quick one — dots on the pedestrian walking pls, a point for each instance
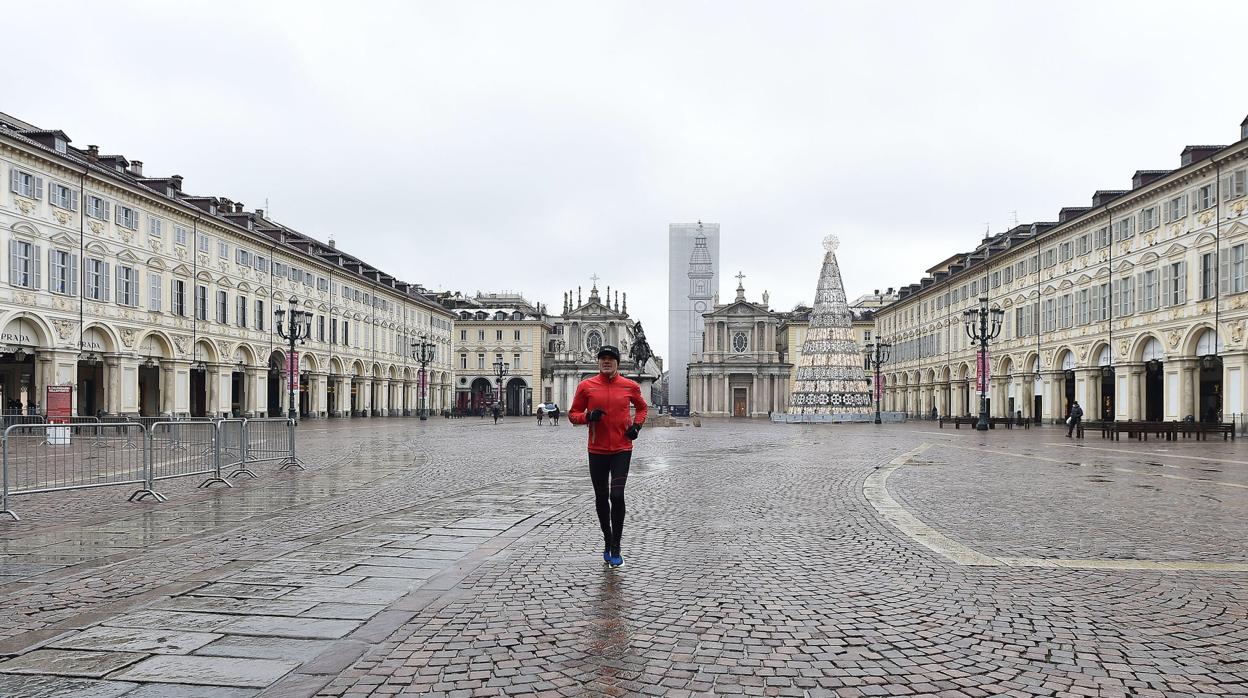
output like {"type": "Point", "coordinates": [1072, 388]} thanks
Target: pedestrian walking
{"type": "Point", "coordinates": [497, 409]}
{"type": "Point", "coordinates": [554, 415]}
{"type": "Point", "coordinates": [541, 414]}
{"type": "Point", "coordinates": [1076, 416]}
{"type": "Point", "coordinates": [603, 403]}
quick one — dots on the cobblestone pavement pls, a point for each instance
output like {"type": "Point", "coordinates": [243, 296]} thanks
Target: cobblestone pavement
{"type": "Point", "coordinates": [462, 558]}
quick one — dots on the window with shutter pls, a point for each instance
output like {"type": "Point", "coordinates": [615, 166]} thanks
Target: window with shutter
{"type": "Point", "coordinates": [154, 284]}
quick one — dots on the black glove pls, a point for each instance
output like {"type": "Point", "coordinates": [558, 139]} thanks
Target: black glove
{"type": "Point", "coordinates": [632, 432]}
{"type": "Point", "coordinates": [594, 415]}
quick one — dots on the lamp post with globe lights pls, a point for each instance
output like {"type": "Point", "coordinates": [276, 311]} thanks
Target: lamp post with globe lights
{"type": "Point", "coordinates": [422, 352]}
{"type": "Point", "coordinates": [983, 324]}
{"type": "Point", "coordinates": [295, 331]}
{"type": "Point", "coordinates": [877, 354]}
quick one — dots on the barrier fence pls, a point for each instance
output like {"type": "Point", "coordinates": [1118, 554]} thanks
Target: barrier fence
{"type": "Point", "coordinates": [271, 439]}
{"type": "Point", "coordinates": [40, 458]}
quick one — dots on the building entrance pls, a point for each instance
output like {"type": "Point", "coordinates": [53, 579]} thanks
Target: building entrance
{"type": "Point", "coordinates": [149, 389]}
{"type": "Point", "coordinates": [1210, 401]}
{"type": "Point", "coordinates": [1154, 391]}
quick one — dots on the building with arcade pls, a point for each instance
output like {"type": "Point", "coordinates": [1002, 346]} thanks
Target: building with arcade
{"type": "Point", "coordinates": [153, 301]}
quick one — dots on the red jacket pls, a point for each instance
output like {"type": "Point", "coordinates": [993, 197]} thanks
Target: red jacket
{"type": "Point", "coordinates": [614, 397]}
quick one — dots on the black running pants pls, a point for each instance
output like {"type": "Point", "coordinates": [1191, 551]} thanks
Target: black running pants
{"type": "Point", "coordinates": [609, 473]}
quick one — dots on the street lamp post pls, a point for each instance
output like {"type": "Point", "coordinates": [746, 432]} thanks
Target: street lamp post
{"type": "Point", "coordinates": [983, 324]}
{"type": "Point", "coordinates": [877, 354]}
{"type": "Point", "coordinates": [500, 369]}
{"type": "Point", "coordinates": [422, 352]}
{"type": "Point", "coordinates": [296, 332]}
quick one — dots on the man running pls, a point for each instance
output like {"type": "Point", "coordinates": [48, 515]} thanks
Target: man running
{"type": "Point", "coordinates": [603, 403]}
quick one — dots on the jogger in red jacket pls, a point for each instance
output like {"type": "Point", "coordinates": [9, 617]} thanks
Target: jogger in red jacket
{"type": "Point", "coordinates": [603, 402]}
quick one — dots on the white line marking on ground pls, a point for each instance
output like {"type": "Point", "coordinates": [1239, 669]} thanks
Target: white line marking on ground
{"type": "Point", "coordinates": [876, 491]}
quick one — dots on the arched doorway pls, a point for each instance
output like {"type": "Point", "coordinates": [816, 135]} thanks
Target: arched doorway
{"type": "Point", "coordinates": [92, 371]}
{"type": "Point", "coordinates": [153, 392]}
{"type": "Point", "coordinates": [518, 397]}
{"type": "Point", "coordinates": [1106, 363]}
{"type": "Point", "coordinates": [277, 361]}
{"type": "Point", "coordinates": [1154, 380]}
{"type": "Point", "coordinates": [201, 378]}
{"type": "Point", "coordinates": [18, 344]}
{"type": "Point", "coordinates": [481, 395]}
{"type": "Point", "coordinates": [331, 387]}
{"type": "Point", "coordinates": [241, 359]}
{"type": "Point", "coordinates": [1209, 391]}
{"type": "Point", "coordinates": [1068, 382]}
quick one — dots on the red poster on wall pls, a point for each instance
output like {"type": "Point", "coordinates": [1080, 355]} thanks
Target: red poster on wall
{"type": "Point", "coordinates": [879, 386]}
{"type": "Point", "coordinates": [292, 370]}
{"type": "Point", "coordinates": [59, 403]}
{"type": "Point", "coordinates": [981, 372]}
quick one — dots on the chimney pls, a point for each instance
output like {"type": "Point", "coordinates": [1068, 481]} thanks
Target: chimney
{"type": "Point", "coordinates": [177, 182]}
{"type": "Point", "coordinates": [93, 151]}
{"type": "Point", "coordinates": [876, 292]}
{"type": "Point", "coordinates": [260, 212]}
{"type": "Point", "coordinates": [136, 168]}
{"type": "Point", "coordinates": [238, 207]}
{"type": "Point", "coordinates": [332, 244]}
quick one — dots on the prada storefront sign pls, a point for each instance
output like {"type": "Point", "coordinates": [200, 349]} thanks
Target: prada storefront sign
{"type": "Point", "coordinates": [20, 332]}
{"type": "Point", "coordinates": [93, 339]}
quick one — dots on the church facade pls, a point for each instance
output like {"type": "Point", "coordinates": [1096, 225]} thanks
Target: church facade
{"type": "Point", "coordinates": [581, 331]}
{"type": "Point", "coordinates": [739, 372]}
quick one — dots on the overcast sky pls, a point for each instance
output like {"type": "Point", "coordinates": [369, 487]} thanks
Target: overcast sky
{"type": "Point", "coordinates": [527, 145]}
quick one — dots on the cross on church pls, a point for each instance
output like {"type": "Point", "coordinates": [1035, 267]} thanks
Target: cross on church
{"type": "Point", "coordinates": [594, 278]}
{"type": "Point", "coordinates": [740, 278]}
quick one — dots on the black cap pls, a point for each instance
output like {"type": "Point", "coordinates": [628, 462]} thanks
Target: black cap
{"type": "Point", "coordinates": [609, 351]}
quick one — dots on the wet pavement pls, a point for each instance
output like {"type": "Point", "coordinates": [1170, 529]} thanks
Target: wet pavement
{"type": "Point", "coordinates": [460, 558]}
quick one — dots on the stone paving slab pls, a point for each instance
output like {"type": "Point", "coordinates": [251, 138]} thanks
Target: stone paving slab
{"type": "Point", "coordinates": [167, 690]}
{"type": "Point", "coordinates": [243, 591]}
{"type": "Point", "coordinates": [78, 663]}
{"type": "Point", "coordinates": [220, 604]}
{"type": "Point", "coordinates": [209, 671]}
{"type": "Point", "coordinates": [356, 594]}
{"type": "Point", "coordinates": [283, 626]}
{"type": "Point", "coordinates": [18, 686]}
{"type": "Point", "coordinates": [346, 611]}
{"type": "Point", "coordinates": [135, 640]}
{"type": "Point", "coordinates": [172, 620]}
{"type": "Point", "coordinates": [266, 647]}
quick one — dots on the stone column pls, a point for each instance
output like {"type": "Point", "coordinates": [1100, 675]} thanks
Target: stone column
{"type": "Point", "coordinates": [366, 397]}
{"type": "Point", "coordinates": [1135, 391]}
{"type": "Point", "coordinates": [1189, 379]}
{"type": "Point", "coordinates": [168, 388]}
{"type": "Point", "coordinates": [256, 392]}
{"type": "Point", "coordinates": [344, 397]}
{"type": "Point", "coordinates": [112, 384]}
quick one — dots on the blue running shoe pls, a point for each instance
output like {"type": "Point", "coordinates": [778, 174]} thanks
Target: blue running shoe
{"type": "Point", "coordinates": [606, 555]}
{"type": "Point", "coordinates": [616, 560]}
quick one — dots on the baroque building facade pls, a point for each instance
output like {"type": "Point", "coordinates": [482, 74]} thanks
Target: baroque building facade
{"type": "Point", "coordinates": [153, 301]}
{"type": "Point", "coordinates": [578, 334]}
{"type": "Point", "coordinates": [1136, 306]}
{"type": "Point", "coordinates": [499, 329]}
{"type": "Point", "coordinates": [739, 372]}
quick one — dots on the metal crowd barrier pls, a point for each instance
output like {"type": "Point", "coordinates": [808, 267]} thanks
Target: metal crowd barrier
{"type": "Point", "coordinates": [182, 449]}
{"type": "Point", "coordinates": [54, 457]}
{"type": "Point", "coordinates": [39, 458]}
{"type": "Point", "coordinates": [270, 439]}
{"type": "Point", "coordinates": [232, 447]}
